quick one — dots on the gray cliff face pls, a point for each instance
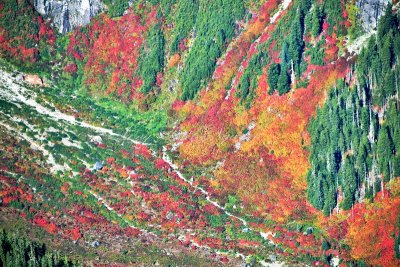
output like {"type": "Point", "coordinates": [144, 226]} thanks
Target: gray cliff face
{"type": "Point", "coordinates": [68, 14]}
{"type": "Point", "coordinates": [370, 11]}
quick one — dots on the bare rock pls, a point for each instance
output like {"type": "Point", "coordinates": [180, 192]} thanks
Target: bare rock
{"type": "Point", "coordinates": [33, 79]}
{"type": "Point", "coordinates": [370, 12]}
{"type": "Point", "coordinates": [68, 14]}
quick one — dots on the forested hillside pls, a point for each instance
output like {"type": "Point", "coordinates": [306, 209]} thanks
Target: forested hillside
{"type": "Point", "coordinates": [355, 135]}
{"type": "Point", "coordinates": [16, 251]}
{"type": "Point", "coordinates": [259, 132]}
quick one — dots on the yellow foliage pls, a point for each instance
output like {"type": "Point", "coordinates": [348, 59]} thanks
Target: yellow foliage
{"type": "Point", "coordinates": [394, 187]}
{"type": "Point", "coordinates": [174, 60]}
{"type": "Point", "coordinates": [242, 118]}
{"type": "Point", "coordinates": [214, 183]}
{"type": "Point", "coordinates": [129, 217]}
{"type": "Point", "coordinates": [205, 147]}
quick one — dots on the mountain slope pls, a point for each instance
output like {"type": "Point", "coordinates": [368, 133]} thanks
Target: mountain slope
{"type": "Point", "coordinates": [262, 130]}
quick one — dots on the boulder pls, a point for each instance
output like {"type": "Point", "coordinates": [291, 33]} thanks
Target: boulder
{"type": "Point", "coordinates": [33, 79]}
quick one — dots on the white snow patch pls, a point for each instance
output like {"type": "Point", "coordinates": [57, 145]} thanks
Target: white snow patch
{"type": "Point", "coordinates": [335, 261]}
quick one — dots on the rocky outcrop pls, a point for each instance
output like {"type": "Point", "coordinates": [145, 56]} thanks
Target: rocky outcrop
{"type": "Point", "coordinates": [68, 14]}
{"type": "Point", "coordinates": [33, 79]}
{"type": "Point", "coordinates": [370, 11]}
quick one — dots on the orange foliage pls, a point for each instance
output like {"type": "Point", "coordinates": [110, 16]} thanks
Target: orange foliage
{"type": "Point", "coordinates": [375, 223]}
{"type": "Point", "coordinates": [174, 60]}
{"type": "Point", "coordinates": [227, 68]}
{"type": "Point", "coordinates": [112, 48]}
{"type": "Point", "coordinates": [332, 49]}
{"type": "Point", "coordinates": [48, 226]}
{"type": "Point", "coordinates": [205, 147]}
{"type": "Point", "coordinates": [215, 123]}
{"type": "Point", "coordinates": [282, 127]}
{"type": "Point", "coordinates": [246, 174]}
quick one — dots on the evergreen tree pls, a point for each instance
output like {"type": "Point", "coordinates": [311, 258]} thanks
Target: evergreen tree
{"type": "Point", "coordinates": [296, 43]}
{"type": "Point", "coordinates": [317, 18]}
{"type": "Point", "coordinates": [116, 8]}
{"type": "Point", "coordinates": [213, 28]}
{"type": "Point", "coordinates": [350, 184]}
{"type": "Point", "coordinates": [317, 54]}
{"type": "Point", "coordinates": [285, 55]}
{"type": "Point", "coordinates": [330, 198]}
{"type": "Point", "coordinates": [273, 77]}
{"type": "Point", "coordinates": [396, 140]}
{"type": "Point", "coordinates": [396, 166]}
{"type": "Point", "coordinates": [389, 85]}
{"type": "Point", "coordinates": [244, 86]}
{"type": "Point", "coordinates": [386, 23]}
{"type": "Point", "coordinates": [386, 53]}
{"type": "Point", "coordinates": [283, 82]}
{"type": "Point", "coordinates": [17, 251]}
{"type": "Point", "coordinates": [315, 192]}
{"type": "Point", "coordinates": [396, 44]}
{"type": "Point", "coordinates": [152, 60]}
{"type": "Point", "coordinates": [385, 149]}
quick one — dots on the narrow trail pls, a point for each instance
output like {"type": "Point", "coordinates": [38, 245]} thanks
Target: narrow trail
{"type": "Point", "coordinates": [175, 168]}
{"type": "Point", "coordinates": [12, 91]}
{"type": "Point", "coordinates": [282, 7]}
